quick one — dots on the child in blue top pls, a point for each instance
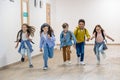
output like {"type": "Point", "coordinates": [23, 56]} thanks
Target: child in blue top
{"type": "Point", "coordinates": [25, 46]}
{"type": "Point", "coordinates": [47, 42]}
{"type": "Point", "coordinates": [66, 38]}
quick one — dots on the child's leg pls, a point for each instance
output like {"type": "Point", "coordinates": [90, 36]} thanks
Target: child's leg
{"type": "Point", "coordinates": [45, 56]}
{"type": "Point", "coordinates": [23, 53]}
{"type": "Point", "coordinates": [97, 53]}
{"type": "Point", "coordinates": [78, 49]}
{"type": "Point", "coordinates": [64, 53]}
{"type": "Point", "coordinates": [29, 57]}
{"type": "Point", "coordinates": [82, 51]}
{"type": "Point", "coordinates": [101, 50]}
{"type": "Point", "coordinates": [51, 52]}
{"type": "Point", "coordinates": [68, 53]}
{"type": "Point", "coordinates": [78, 52]}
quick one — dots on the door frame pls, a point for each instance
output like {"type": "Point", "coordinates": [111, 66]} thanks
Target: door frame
{"type": "Point", "coordinates": [28, 11]}
{"type": "Point", "coordinates": [48, 13]}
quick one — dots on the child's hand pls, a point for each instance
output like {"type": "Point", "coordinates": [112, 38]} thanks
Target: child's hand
{"type": "Point", "coordinates": [49, 36]}
{"type": "Point", "coordinates": [113, 40]}
{"type": "Point", "coordinates": [30, 39]}
{"type": "Point", "coordinates": [91, 38]}
{"type": "Point", "coordinates": [64, 34]}
{"type": "Point", "coordinates": [88, 39]}
{"type": "Point", "coordinates": [41, 50]}
{"type": "Point", "coordinates": [74, 46]}
{"type": "Point", "coordinates": [16, 46]}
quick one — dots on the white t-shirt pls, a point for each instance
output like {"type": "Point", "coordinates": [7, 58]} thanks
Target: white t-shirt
{"type": "Point", "coordinates": [24, 36]}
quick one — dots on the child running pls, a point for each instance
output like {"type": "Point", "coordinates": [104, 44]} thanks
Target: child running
{"type": "Point", "coordinates": [66, 38]}
{"type": "Point", "coordinates": [47, 42]}
{"type": "Point", "coordinates": [81, 33]}
{"type": "Point", "coordinates": [99, 47]}
{"type": "Point", "coordinates": [23, 37]}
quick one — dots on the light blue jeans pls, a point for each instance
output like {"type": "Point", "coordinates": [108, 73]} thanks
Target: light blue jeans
{"type": "Point", "coordinates": [48, 53]}
{"type": "Point", "coordinates": [23, 51]}
{"type": "Point", "coordinates": [99, 49]}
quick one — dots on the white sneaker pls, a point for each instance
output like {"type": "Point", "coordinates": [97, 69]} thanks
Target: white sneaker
{"type": "Point", "coordinates": [78, 60]}
{"type": "Point", "coordinates": [69, 62]}
{"type": "Point", "coordinates": [82, 63]}
{"type": "Point", "coordinates": [98, 62]}
{"type": "Point", "coordinates": [65, 62]}
{"type": "Point", "coordinates": [45, 68]}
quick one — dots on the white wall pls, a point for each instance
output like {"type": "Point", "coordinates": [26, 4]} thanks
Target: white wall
{"type": "Point", "coordinates": [104, 12]}
{"type": "Point", "coordinates": [10, 19]}
{"type": "Point", "coordinates": [9, 24]}
{"type": "Point", "coordinates": [37, 18]}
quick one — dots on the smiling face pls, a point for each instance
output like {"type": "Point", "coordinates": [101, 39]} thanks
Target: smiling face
{"type": "Point", "coordinates": [45, 29]}
{"type": "Point", "coordinates": [81, 25]}
{"type": "Point", "coordinates": [24, 28]}
{"type": "Point", "coordinates": [98, 29]}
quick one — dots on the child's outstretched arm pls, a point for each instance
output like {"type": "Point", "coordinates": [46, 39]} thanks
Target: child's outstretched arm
{"type": "Point", "coordinates": [73, 36]}
{"type": "Point", "coordinates": [88, 35]}
{"type": "Point", "coordinates": [109, 37]}
{"type": "Point", "coordinates": [62, 38]}
{"type": "Point", "coordinates": [17, 44]}
{"type": "Point", "coordinates": [41, 44]}
{"type": "Point", "coordinates": [93, 36]}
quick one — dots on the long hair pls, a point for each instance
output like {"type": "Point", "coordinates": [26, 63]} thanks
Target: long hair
{"type": "Point", "coordinates": [50, 30]}
{"type": "Point", "coordinates": [30, 31]}
{"type": "Point", "coordinates": [95, 32]}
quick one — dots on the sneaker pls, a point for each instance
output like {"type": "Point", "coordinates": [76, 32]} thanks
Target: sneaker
{"type": "Point", "coordinates": [69, 62]}
{"type": "Point", "coordinates": [31, 66]}
{"type": "Point", "coordinates": [82, 63]}
{"type": "Point", "coordinates": [78, 60]}
{"type": "Point", "coordinates": [65, 62]}
{"type": "Point", "coordinates": [45, 68]}
{"type": "Point", "coordinates": [98, 62]}
{"type": "Point", "coordinates": [22, 59]}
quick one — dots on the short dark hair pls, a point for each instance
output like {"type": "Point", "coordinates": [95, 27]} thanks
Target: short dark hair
{"type": "Point", "coordinates": [65, 25]}
{"type": "Point", "coordinates": [81, 20]}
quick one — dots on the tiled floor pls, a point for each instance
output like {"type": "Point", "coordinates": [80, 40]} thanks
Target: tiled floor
{"type": "Point", "coordinates": [108, 70]}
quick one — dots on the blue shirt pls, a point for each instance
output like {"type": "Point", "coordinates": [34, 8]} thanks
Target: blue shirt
{"type": "Point", "coordinates": [45, 40]}
{"type": "Point", "coordinates": [67, 40]}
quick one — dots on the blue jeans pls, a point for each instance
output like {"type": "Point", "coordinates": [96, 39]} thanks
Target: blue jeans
{"type": "Point", "coordinates": [99, 48]}
{"type": "Point", "coordinates": [48, 53]}
{"type": "Point", "coordinates": [80, 50]}
{"type": "Point", "coordinates": [23, 51]}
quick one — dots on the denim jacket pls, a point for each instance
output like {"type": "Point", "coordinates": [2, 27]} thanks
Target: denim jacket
{"type": "Point", "coordinates": [67, 40]}
{"type": "Point", "coordinates": [22, 45]}
{"type": "Point", "coordinates": [49, 41]}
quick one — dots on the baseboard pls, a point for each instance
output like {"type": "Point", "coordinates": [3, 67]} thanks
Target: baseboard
{"type": "Point", "coordinates": [9, 65]}
{"type": "Point", "coordinates": [93, 44]}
